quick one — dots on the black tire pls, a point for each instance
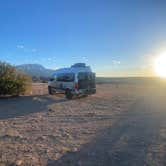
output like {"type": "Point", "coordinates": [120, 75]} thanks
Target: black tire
{"type": "Point", "coordinates": [85, 95]}
{"type": "Point", "coordinates": [68, 94]}
{"type": "Point", "coordinates": [50, 90]}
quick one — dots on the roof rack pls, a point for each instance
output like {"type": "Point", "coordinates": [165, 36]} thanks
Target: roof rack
{"type": "Point", "coordinates": [79, 65]}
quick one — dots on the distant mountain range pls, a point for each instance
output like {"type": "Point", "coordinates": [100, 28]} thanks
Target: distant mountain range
{"type": "Point", "coordinates": [35, 70]}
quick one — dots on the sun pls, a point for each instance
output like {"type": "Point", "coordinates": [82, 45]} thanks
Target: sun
{"type": "Point", "coordinates": [160, 65]}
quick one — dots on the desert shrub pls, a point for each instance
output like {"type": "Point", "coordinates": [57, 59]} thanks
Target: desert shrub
{"type": "Point", "coordinates": [13, 82]}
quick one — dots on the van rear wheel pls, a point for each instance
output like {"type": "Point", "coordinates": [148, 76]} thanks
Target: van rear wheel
{"type": "Point", "coordinates": [68, 94]}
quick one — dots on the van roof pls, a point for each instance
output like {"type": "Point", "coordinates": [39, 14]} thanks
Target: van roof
{"type": "Point", "coordinates": [73, 70]}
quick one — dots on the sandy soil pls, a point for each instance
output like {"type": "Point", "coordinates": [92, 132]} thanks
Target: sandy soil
{"type": "Point", "coordinates": [120, 125]}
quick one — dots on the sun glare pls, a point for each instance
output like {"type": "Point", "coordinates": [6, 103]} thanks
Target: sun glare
{"type": "Point", "coordinates": [160, 65]}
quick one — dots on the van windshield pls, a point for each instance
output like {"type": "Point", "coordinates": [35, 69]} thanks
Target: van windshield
{"type": "Point", "coordinates": [65, 77]}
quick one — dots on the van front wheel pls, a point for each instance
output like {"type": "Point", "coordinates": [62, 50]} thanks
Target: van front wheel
{"type": "Point", "coordinates": [68, 94]}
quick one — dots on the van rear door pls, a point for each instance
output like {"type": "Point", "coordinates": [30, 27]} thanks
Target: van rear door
{"type": "Point", "coordinates": [86, 80]}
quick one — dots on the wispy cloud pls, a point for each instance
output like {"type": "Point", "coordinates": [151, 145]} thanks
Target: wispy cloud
{"type": "Point", "coordinates": [116, 62]}
{"type": "Point", "coordinates": [85, 59]}
{"type": "Point", "coordinates": [20, 46]}
{"type": "Point", "coordinates": [25, 49]}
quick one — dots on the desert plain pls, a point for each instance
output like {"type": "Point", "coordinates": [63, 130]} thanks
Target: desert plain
{"type": "Point", "coordinates": [121, 125]}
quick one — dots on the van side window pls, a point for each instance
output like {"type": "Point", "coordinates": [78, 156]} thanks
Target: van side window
{"type": "Point", "coordinates": [65, 77]}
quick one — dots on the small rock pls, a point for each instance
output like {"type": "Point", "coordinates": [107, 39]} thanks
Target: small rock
{"type": "Point", "coordinates": [50, 110]}
{"type": "Point", "coordinates": [74, 149]}
{"type": "Point", "coordinates": [67, 135]}
{"type": "Point", "coordinates": [19, 162]}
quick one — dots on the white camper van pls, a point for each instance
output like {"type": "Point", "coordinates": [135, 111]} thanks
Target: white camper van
{"type": "Point", "coordinates": [74, 81]}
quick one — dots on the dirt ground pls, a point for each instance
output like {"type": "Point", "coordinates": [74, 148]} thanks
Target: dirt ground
{"type": "Point", "coordinates": [120, 125]}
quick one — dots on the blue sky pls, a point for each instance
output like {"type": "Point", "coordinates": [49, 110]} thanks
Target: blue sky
{"type": "Point", "coordinates": [117, 38]}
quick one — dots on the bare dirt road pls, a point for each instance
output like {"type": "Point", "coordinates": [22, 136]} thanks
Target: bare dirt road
{"type": "Point", "coordinates": [120, 125]}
